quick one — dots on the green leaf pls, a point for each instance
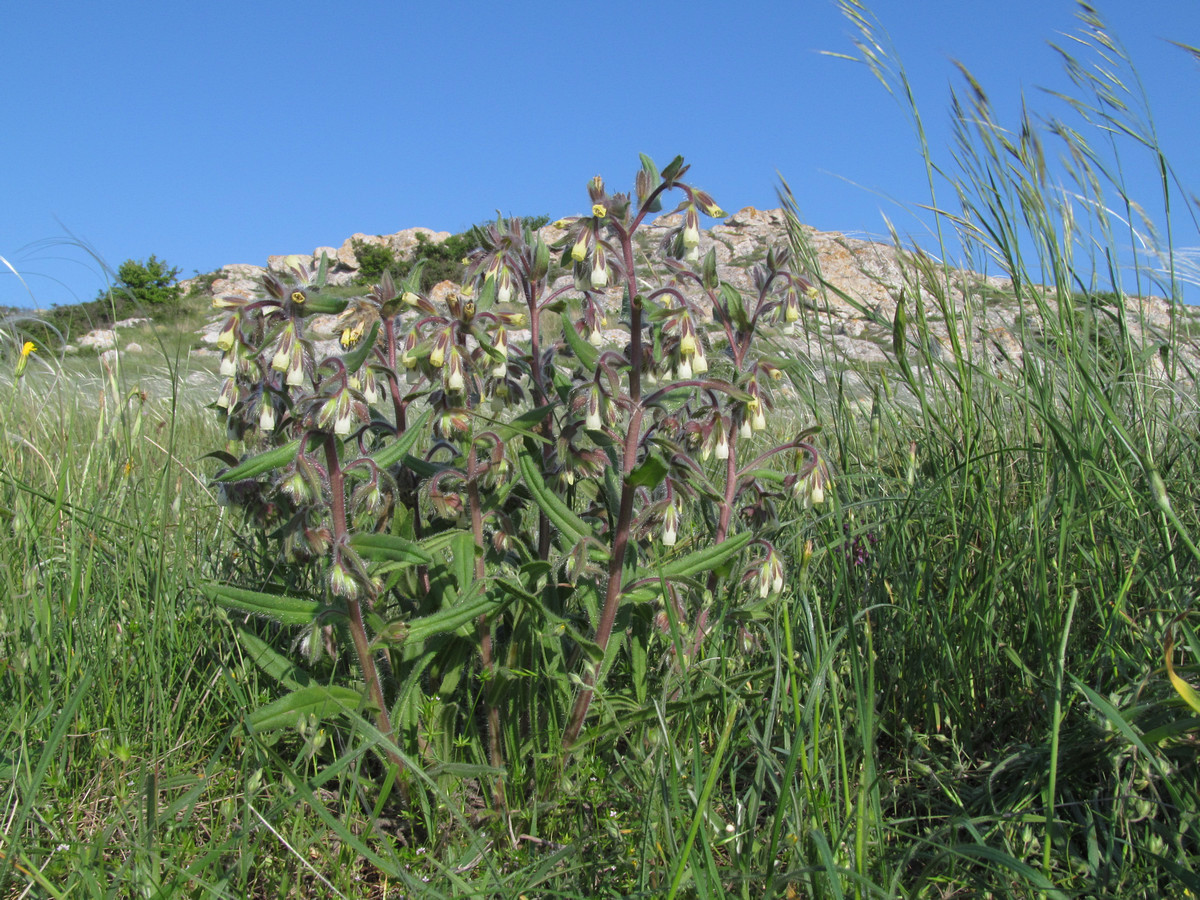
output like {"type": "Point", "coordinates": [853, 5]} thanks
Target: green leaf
{"type": "Point", "coordinates": [389, 548]}
{"type": "Point", "coordinates": [399, 448]}
{"type": "Point", "coordinates": [649, 473]}
{"type": "Point", "coordinates": [278, 607]}
{"type": "Point", "coordinates": [263, 462]}
{"type": "Point", "coordinates": [731, 300]}
{"type": "Point", "coordinates": [526, 422]}
{"type": "Point", "coordinates": [470, 607]}
{"type": "Point", "coordinates": [279, 667]}
{"type": "Point", "coordinates": [705, 559]}
{"type": "Point", "coordinates": [323, 306]}
{"type": "Point", "coordinates": [674, 169]}
{"type": "Point", "coordinates": [316, 699]}
{"type": "Point", "coordinates": [573, 528]}
{"type": "Point", "coordinates": [584, 352]}
{"type": "Point", "coordinates": [462, 560]}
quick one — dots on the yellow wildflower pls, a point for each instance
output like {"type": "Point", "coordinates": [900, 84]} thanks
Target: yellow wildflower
{"type": "Point", "coordinates": [23, 361]}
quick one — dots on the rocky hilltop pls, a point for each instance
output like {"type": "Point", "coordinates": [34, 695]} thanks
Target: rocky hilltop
{"type": "Point", "coordinates": [849, 324]}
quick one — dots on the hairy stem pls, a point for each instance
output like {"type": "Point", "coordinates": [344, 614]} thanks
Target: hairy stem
{"type": "Point", "coordinates": [483, 628]}
{"type": "Point", "coordinates": [616, 567]}
{"type": "Point", "coordinates": [358, 631]}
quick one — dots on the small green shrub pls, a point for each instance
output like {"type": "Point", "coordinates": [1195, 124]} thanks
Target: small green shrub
{"type": "Point", "coordinates": [152, 284]}
{"type": "Point", "coordinates": [373, 260]}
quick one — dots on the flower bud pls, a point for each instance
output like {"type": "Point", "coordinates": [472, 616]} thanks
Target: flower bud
{"type": "Point", "coordinates": [453, 375]}
{"type": "Point", "coordinates": [700, 361]}
{"type": "Point", "coordinates": [342, 582]}
{"type": "Point", "coordinates": [744, 430]}
{"type": "Point", "coordinates": [410, 299]}
{"type": "Point", "coordinates": [721, 450]}
{"type": "Point", "coordinates": [593, 422]}
{"type": "Point", "coordinates": [228, 336]}
{"type": "Point", "coordinates": [500, 369]}
{"type": "Point", "coordinates": [504, 293]}
{"type": "Point", "coordinates": [687, 342]}
{"type": "Point", "coordinates": [295, 367]}
{"type": "Point", "coordinates": [599, 272]}
{"type": "Point", "coordinates": [670, 532]}
{"type": "Point", "coordinates": [691, 228]}
{"type": "Point", "coordinates": [684, 369]}
{"type": "Point", "coordinates": [228, 395]}
{"type": "Point", "coordinates": [579, 251]}
{"type": "Point", "coordinates": [266, 416]}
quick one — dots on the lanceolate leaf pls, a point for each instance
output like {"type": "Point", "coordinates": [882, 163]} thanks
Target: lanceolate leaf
{"type": "Point", "coordinates": [316, 699]}
{"type": "Point", "coordinates": [389, 548]}
{"type": "Point", "coordinates": [705, 559]}
{"type": "Point", "coordinates": [277, 666]}
{"type": "Point", "coordinates": [399, 448]}
{"type": "Point", "coordinates": [278, 607]}
{"type": "Point", "coordinates": [264, 462]}
{"type": "Point", "coordinates": [574, 529]}
{"type": "Point", "coordinates": [584, 352]}
{"type": "Point", "coordinates": [469, 607]}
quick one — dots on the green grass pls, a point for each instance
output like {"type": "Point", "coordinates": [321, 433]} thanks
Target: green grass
{"type": "Point", "coordinates": [977, 707]}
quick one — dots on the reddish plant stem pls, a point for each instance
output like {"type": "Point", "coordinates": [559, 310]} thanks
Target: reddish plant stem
{"type": "Point", "coordinates": [358, 631]}
{"type": "Point", "coordinates": [616, 566]}
{"type": "Point", "coordinates": [730, 495]}
{"type": "Point", "coordinates": [483, 628]}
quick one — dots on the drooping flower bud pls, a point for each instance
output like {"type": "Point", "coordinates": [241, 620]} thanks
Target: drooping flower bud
{"type": "Point", "coordinates": [579, 251]}
{"type": "Point", "coordinates": [437, 356]}
{"type": "Point", "coordinates": [691, 228]}
{"type": "Point", "coordinates": [504, 290]}
{"type": "Point", "coordinates": [228, 395]}
{"type": "Point", "coordinates": [228, 335]}
{"type": "Point", "coordinates": [266, 416]}
{"type": "Point", "coordinates": [295, 367]}
{"type": "Point", "coordinates": [342, 582]}
{"type": "Point", "coordinates": [599, 269]}
{"type": "Point", "coordinates": [670, 531]}
{"type": "Point", "coordinates": [593, 421]}
{"type": "Point", "coordinates": [453, 374]}
{"type": "Point", "coordinates": [500, 369]}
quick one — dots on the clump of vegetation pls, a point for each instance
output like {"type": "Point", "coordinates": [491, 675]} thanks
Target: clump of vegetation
{"type": "Point", "coordinates": [437, 260]}
{"type": "Point", "coordinates": [564, 507]}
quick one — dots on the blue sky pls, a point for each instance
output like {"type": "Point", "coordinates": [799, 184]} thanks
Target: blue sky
{"type": "Point", "coordinates": [224, 132]}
